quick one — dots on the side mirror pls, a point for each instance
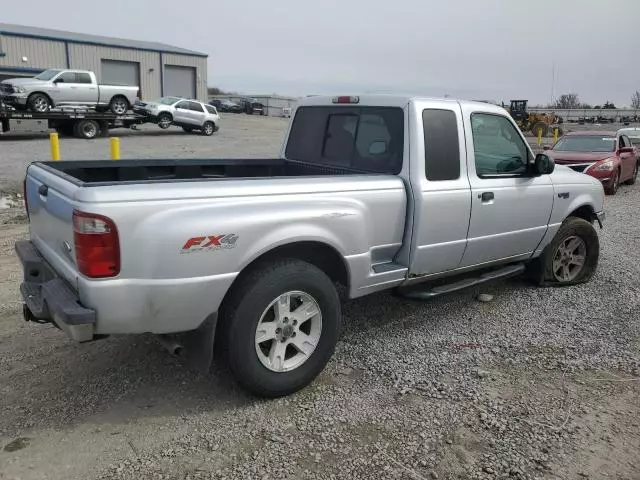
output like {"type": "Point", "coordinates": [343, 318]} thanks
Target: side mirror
{"type": "Point", "coordinates": [378, 148]}
{"type": "Point", "coordinates": [544, 164]}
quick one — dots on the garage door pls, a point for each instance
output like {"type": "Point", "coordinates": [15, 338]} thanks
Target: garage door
{"type": "Point", "coordinates": [180, 81]}
{"type": "Point", "coordinates": [116, 72]}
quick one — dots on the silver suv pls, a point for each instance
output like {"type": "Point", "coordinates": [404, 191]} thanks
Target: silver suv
{"type": "Point", "coordinates": [186, 113]}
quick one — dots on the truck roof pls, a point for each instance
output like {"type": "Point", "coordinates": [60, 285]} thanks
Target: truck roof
{"type": "Point", "coordinates": [391, 100]}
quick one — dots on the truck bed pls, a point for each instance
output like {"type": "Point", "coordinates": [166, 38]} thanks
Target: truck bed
{"type": "Point", "coordinates": [109, 172]}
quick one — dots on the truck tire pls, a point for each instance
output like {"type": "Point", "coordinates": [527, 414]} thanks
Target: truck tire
{"type": "Point", "coordinates": [165, 120]}
{"type": "Point", "coordinates": [271, 347]}
{"type": "Point", "coordinates": [39, 102]}
{"type": "Point", "coordinates": [119, 105]}
{"type": "Point", "coordinates": [208, 128]}
{"type": "Point", "coordinates": [87, 129]}
{"type": "Point", "coordinates": [571, 258]}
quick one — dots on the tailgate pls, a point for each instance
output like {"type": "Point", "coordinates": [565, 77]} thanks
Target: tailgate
{"type": "Point", "coordinates": [50, 204]}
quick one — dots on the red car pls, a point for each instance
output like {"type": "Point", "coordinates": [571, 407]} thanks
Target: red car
{"type": "Point", "coordinates": [607, 156]}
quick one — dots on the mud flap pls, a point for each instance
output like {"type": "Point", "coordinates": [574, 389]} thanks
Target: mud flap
{"type": "Point", "coordinates": [198, 345]}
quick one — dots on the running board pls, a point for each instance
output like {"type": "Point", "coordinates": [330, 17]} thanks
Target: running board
{"type": "Point", "coordinates": [505, 272]}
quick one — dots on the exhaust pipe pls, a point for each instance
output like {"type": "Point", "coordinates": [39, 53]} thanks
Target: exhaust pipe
{"type": "Point", "coordinates": [169, 344]}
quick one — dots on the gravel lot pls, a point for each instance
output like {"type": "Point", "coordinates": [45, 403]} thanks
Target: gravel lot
{"type": "Point", "coordinates": [537, 383]}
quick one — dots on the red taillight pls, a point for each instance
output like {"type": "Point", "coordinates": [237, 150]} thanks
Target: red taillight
{"type": "Point", "coordinates": [97, 246]}
{"type": "Point", "coordinates": [24, 196]}
{"type": "Point", "coordinates": [345, 99]}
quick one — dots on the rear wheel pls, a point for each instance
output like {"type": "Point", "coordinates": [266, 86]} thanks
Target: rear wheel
{"type": "Point", "coordinates": [208, 128]}
{"type": "Point", "coordinates": [279, 327]}
{"type": "Point", "coordinates": [87, 129]}
{"type": "Point", "coordinates": [613, 186]}
{"type": "Point", "coordinates": [165, 120]}
{"type": "Point", "coordinates": [119, 105]}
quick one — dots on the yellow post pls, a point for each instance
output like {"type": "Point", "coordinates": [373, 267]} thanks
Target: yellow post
{"type": "Point", "coordinates": [55, 146]}
{"type": "Point", "coordinates": [555, 135]}
{"type": "Point", "coordinates": [114, 143]}
{"type": "Point", "coordinates": [539, 136]}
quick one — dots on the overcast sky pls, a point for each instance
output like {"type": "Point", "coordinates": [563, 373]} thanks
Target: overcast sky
{"type": "Point", "coordinates": [479, 49]}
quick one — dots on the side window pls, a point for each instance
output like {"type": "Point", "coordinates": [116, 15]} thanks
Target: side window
{"type": "Point", "coordinates": [196, 107]}
{"type": "Point", "coordinates": [183, 105]}
{"type": "Point", "coordinates": [67, 77]}
{"type": "Point", "coordinates": [499, 149]}
{"type": "Point", "coordinates": [211, 110]}
{"type": "Point", "coordinates": [83, 78]}
{"type": "Point", "coordinates": [441, 145]}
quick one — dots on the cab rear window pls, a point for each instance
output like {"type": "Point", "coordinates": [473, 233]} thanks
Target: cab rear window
{"type": "Point", "coordinates": [369, 139]}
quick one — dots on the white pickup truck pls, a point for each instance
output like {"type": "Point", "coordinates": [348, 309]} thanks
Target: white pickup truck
{"type": "Point", "coordinates": [423, 196]}
{"type": "Point", "coordinates": [55, 88]}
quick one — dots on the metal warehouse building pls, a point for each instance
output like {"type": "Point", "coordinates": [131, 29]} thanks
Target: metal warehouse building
{"type": "Point", "coordinates": [158, 69]}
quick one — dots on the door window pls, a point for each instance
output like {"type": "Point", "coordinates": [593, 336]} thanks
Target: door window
{"type": "Point", "coordinates": [211, 110]}
{"type": "Point", "coordinates": [67, 77]}
{"type": "Point", "coordinates": [183, 105]}
{"type": "Point", "coordinates": [621, 142]}
{"type": "Point", "coordinates": [196, 107]}
{"type": "Point", "coordinates": [83, 78]}
{"type": "Point", "coordinates": [499, 149]}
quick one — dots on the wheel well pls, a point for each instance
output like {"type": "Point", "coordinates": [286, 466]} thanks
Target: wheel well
{"type": "Point", "coordinates": [40, 93]}
{"type": "Point", "coordinates": [585, 212]}
{"type": "Point", "coordinates": [319, 254]}
{"type": "Point", "coordinates": [120, 96]}
{"type": "Point", "coordinates": [165, 113]}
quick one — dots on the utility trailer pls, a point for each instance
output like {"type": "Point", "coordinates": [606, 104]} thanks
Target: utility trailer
{"type": "Point", "coordinates": [73, 122]}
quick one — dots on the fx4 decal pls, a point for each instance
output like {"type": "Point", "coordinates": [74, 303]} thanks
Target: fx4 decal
{"type": "Point", "coordinates": [210, 242]}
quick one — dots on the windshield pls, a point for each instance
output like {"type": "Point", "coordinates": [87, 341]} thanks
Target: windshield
{"type": "Point", "coordinates": [167, 100]}
{"type": "Point", "coordinates": [591, 143]}
{"type": "Point", "coordinates": [48, 74]}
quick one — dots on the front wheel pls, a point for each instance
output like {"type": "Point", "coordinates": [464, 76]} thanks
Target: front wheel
{"type": "Point", "coordinates": [572, 256]}
{"type": "Point", "coordinates": [613, 186]}
{"type": "Point", "coordinates": [280, 327]}
{"type": "Point", "coordinates": [634, 175]}
{"type": "Point", "coordinates": [39, 102]}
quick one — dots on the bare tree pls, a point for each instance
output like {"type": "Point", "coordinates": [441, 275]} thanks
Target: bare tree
{"type": "Point", "coordinates": [567, 101]}
{"type": "Point", "coordinates": [635, 99]}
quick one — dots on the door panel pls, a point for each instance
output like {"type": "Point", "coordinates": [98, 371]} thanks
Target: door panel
{"type": "Point", "coordinates": [182, 114]}
{"type": "Point", "coordinates": [509, 208]}
{"type": "Point", "coordinates": [197, 113]}
{"type": "Point", "coordinates": [441, 188]}
{"type": "Point", "coordinates": [627, 160]}
{"type": "Point", "coordinates": [65, 90]}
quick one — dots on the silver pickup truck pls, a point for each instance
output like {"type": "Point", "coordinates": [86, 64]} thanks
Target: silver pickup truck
{"type": "Point", "coordinates": [422, 196]}
{"type": "Point", "coordinates": [55, 87]}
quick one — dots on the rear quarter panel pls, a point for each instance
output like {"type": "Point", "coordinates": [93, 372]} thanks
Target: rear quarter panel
{"type": "Point", "coordinates": [177, 265]}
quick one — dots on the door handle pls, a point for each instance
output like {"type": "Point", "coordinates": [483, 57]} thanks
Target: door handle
{"type": "Point", "coordinates": [43, 190]}
{"type": "Point", "coordinates": [486, 196]}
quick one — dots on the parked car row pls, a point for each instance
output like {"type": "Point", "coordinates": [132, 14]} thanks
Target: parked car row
{"type": "Point", "coordinates": [250, 106]}
{"type": "Point", "coordinates": [189, 114]}
{"type": "Point", "coordinates": [611, 157]}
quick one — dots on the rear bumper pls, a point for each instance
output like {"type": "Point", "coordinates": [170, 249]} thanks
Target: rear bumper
{"type": "Point", "coordinates": [49, 298]}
